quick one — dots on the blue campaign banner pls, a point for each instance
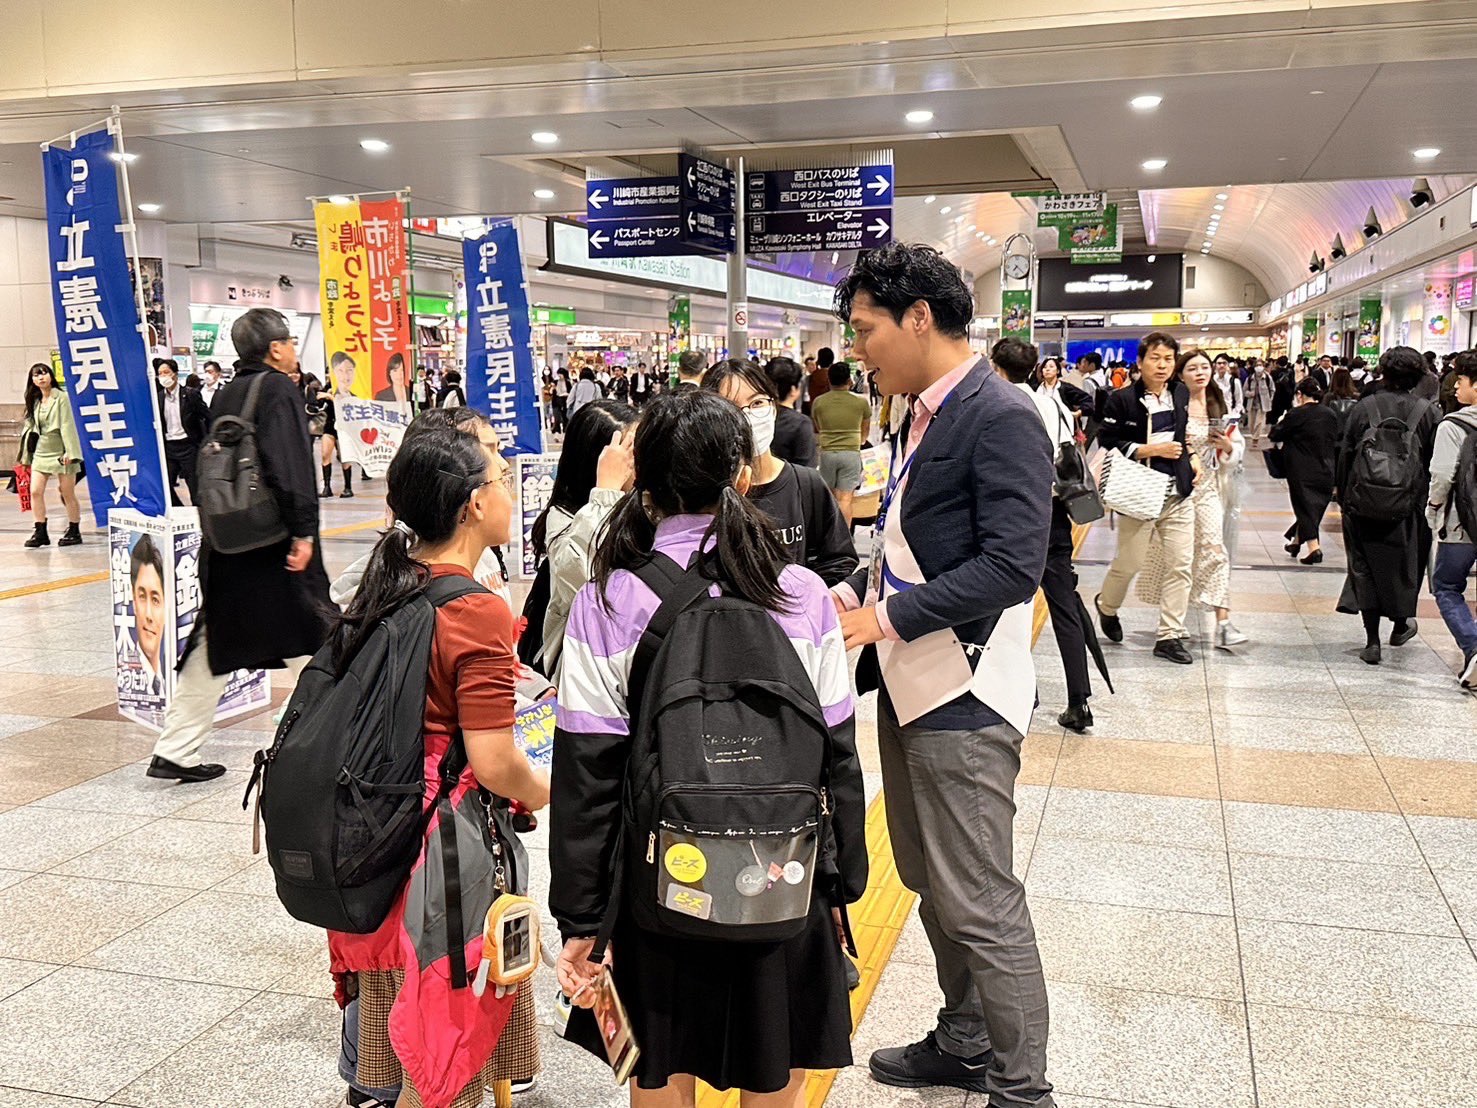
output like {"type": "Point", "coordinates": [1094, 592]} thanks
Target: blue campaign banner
{"type": "Point", "coordinates": [500, 381]}
{"type": "Point", "coordinates": [820, 189]}
{"type": "Point", "coordinates": [103, 354]}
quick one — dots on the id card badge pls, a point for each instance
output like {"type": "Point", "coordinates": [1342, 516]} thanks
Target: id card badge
{"type": "Point", "coordinates": [874, 570]}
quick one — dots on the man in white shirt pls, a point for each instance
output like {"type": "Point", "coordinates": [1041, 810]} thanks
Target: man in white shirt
{"type": "Point", "coordinates": [1014, 360]}
{"type": "Point", "coordinates": [185, 420]}
{"type": "Point", "coordinates": [1229, 382]}
{"type": "Point", "coordinates": [210, 375]}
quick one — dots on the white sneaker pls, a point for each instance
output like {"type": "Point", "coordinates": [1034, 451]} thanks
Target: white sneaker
{"type": "Point", "coordinates": [1226, 635]}
{"type": "Point", "coordinates": [1469, 672]}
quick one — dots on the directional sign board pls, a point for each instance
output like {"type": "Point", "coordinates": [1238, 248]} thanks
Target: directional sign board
{"type": "Point", "coordinates": [829, 208]}
{"type": "Point", "coordinates": [637, 217]}
{"type": "Point", "coordinates": [704, 182]}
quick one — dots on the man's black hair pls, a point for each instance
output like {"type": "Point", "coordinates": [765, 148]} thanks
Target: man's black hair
{"type": "Point", "coordinates": [785, 374]}
{"type": "Point", "coordinates": [825, 357]}
{"type": "Point", "coordinates": [1015, 359]}
{"type": "Point", "coordinates": [840, 375]}
{"type": "Point", "coordinates": [1157, 338]}
{"type": "Point", "coordinates": [899, 275]}
{"type": "Point", "coordinates": [145, 553]}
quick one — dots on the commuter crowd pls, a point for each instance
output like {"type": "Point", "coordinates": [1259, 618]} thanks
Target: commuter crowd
{"type": "Point", "coordinates": [699, 592]}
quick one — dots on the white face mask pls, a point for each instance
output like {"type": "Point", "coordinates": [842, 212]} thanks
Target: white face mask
{"type": "Point", "coordinates": [761, 426]}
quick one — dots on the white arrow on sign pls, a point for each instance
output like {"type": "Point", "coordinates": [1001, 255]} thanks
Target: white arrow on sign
{"type": "Point", "coordinates": [879, 228]}
{"type": "Point", "coordinates": [598, 199]}
{"type": "Point", "coordinates": [598, 239]}
{"type": "Point", "coordinates": [690, 182]}
{"type": "Point", "coordinates": [691, 228]}
{"type": "Point", "coordinates": [880, 185]}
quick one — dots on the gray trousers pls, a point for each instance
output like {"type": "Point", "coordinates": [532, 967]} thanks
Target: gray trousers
{"type": "Point", "coordinates": [950, 812]}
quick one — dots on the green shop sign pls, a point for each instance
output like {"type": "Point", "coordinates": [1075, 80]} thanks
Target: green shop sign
{"type": "Point", "coordinates": [1069, 208]}
{"type": "Point", "coordinates": [203, 336]}
{"type": "Point", "coordinates": [559, 317]}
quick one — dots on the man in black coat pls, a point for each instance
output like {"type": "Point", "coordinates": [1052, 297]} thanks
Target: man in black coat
{"type": "Point", "coordinates": [264, 606]}
{"type": "Point", "coordinates": [184, 419]}
{"type": "Point", "coordinates": [1147, 423]}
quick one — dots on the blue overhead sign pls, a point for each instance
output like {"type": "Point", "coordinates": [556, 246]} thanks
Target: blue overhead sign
{"type": "Point", "coordinates": [825, 189]}
{"type": "Point", "coordinates": [639, 217]}
{"type": "Point", "coordinates": [631, 198]}
{"type": "Point", "coordinates": [815, 232]}
{"type": "Point", "coordinates": [705, 183]}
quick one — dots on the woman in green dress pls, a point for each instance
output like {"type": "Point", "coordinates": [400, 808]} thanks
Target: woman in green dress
{"type": "Point", "coordinates": [50, 447]}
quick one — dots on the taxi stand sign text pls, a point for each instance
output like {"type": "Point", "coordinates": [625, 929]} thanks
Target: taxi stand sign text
{"type": "Point", "coordinates": [103, 353]}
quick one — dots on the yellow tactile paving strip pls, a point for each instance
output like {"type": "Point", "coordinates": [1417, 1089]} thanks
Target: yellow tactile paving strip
{"type": "Point", "coordinates": [877, 919]}
{"type": "Point", "coordinates": [102, 575]}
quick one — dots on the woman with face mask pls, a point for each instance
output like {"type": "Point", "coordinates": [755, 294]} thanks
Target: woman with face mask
{"type": "Point", "coordinates": [808, 524]}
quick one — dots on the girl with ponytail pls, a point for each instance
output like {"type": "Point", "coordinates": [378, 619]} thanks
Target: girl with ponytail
{"type": "Point", "coordinates": [752, 1016]}
{"type": "Point", "coordinates": [451, 498]}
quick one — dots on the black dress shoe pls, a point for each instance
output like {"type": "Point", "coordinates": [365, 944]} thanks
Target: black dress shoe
{"type": "Point", "coordinates": [1370, 655]}
{"type": "Point", "coordinates": [1077, 717]}
{"type": "Point", "coordinates": [206, 771]}
{"type": "Point", "coordinates": [853, 975]}
{"type": "Point", "coordinates": [1402, 633]}
{"type": "Point", "coordinates": [1173, 650]}
{"type": "Point", "coordinates": [1293, 548]}
{"type": "Point", "coordinates": [1312, 558]}
{"type": "Point", "coordinates": [921, 1064]}
{"type": "Point", "coordinates": [1112, 625]}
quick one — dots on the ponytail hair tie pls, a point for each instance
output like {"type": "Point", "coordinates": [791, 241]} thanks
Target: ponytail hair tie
{"type": "Point", "coordinates": [405, 529]}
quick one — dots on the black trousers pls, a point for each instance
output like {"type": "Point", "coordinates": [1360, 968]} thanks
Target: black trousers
{"type": "Point", "coordinates": [179, 461]}
{"type": "Point", "coordinates": [1059, 583]}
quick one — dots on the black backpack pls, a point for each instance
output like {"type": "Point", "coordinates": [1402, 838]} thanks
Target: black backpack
{"type": "Point", "coordinates": [726, 811]}
{"type": "Point", "coordinates": [531, 638]}
{"type": "Point", "coordinates": [238, 512]}
{"type": "Point", "coordinates": [1386, 480]}
{"type": "Point", "coordinates": [343, 783]}
{"type": "Point", "coordinates": [1464, 489]}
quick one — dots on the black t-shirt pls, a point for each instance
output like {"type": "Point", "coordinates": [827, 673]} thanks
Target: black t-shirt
{"type": "Point", "coordinates": [794, 438]}
{"type": "Point", "coordinates": [807, 522]}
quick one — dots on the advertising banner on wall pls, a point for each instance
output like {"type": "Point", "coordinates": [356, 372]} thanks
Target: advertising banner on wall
{"type": "Point", "coordinates": [1437, 317]}
{"type": "Point", "coordinates": [500, 375]}
{"type": "Point", "coordinates": [1092, 238]}
{"type": "Point", "coordinates": [1310, 335]}
{"type": "Point", "coordinates": [103, 353]}
{"type": "Point", "coordinates": [1368, 343]}
{"type": "Point", "coordinates": [1015, 314]}
{"type": "Point", "coordinates": [154, 573]}
{"type": "Point", "coordinates": [679, 327]}
{"type": "Point", "coordinates": [387, 258]}
{"type": "Point", "coordinates": [343, 283]}
{"type": "Point", "coordinates": [535, 482]}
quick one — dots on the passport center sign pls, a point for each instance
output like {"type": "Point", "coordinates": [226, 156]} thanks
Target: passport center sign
{"type": "Point", "coordinates": [691, 213]}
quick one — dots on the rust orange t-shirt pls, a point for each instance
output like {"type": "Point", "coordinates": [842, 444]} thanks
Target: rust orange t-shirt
{"type": "Point", "coordinates": [473, 670]}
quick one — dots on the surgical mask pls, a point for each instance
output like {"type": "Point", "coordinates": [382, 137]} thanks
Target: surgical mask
{"type": "Point", "coordinates": [167, 382]}
{"type": "Point", "coordinates": [761, 426]}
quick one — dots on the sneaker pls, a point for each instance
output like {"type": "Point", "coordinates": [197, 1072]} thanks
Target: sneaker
{"type": "Point", "coordinates": [1174, 650]}
{"type": "Point", "coordinates": [523, 1086]}
{"type": "Point", "coordinates": [356, 1099]}
{"type": "Point", "coordinates": [1226, 635]}
{"type": "Point", "coordinates": [1112, 625]}
{"type": "Point", "coordinates": [924, 1063]}
{"type": "Point", "coordinates": [1469, 672]}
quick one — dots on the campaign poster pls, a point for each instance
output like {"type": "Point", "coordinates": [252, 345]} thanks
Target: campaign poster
{"type": "Point", "coordinates": [387, 259]}
{"type": "Point", "coordinates": [370, 432]}
{"type": "Point", "coordinates": [140, 570]}
{"type": "Point", "coordinates": [533, 732]}
{"type": "Point", "coordinates": [154, 571]}
{"type": "Point", "coordinates": [535, 481]}
{"type": "Point", "coordinates": [343, 294]}
{"type": "Point", "coordinates": [1368, 346]}
{"type": "Point", "coordinates": [500, 373]}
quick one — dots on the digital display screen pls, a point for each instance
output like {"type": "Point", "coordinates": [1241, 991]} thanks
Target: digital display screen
{"type": "Point", "coordinates": [1135, 283]}
{"type": "Point", "coordinates": [517, 942]}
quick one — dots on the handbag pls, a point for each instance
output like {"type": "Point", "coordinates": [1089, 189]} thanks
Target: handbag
{"type": "Point", "coordinates": [1133, 489]}
{"type": "Point", "coordinates": [1073, 484]}
{"type": "Point", "coordinates": [1275, 468]}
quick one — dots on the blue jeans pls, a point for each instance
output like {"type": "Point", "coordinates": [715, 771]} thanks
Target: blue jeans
{"type": "Point", "coordinates": [1454, 562]}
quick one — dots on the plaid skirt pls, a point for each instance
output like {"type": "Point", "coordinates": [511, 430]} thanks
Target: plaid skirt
{"type": "Point", "coordinates": [515, 1059]}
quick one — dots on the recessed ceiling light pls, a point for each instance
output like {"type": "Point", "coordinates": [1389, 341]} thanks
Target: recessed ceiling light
{"type": "Point", "coordinates": [1283, 158]}
{"type": "Point", "coordinates": [919, 115]}
{"type": "Point", "coordinates": [544, 138]}
{"type": "Point", "coordinates": [958, 219]}
{"type": "Point", "coordinates": [971, 227]}
{"type": "Point", "coordinates": [1223, 196]}
{"type": "Point", "coordinates": [1153, 165]}
{"type": "Point", "coordinates": [946, 209]}
{"type": "Point", "coordinates": [243, 150]}
{"type": "Point", "coordinates": [1206, 244]}
{"type": "Point", "coordinates": [149, 209]}
{"type": "Point", "coordinates": [543, 194]}
{"type": "Point", "coordinates": [1425, 152]}
{"type": "Point", "coordinates": [929, 199]}
{"type": "Point", "coordinates": [1315, 92]}
{"type": "Point", "coordinates": [1220, 207]}
{"type": "Point", "coordinates": [338, 200]}
{"type": "Point", "coordinates": [1146, 103]}
{"type": "Point", "coordinates": [1151, 258]}
{"type": "Point", "coordinates": [374, 145]}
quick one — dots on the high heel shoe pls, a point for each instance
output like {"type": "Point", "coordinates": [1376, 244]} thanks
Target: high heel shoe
{"type": "Point", "coordinates": [1312, 558]}
{"type": "Point", "coordinates": [1293, 548]}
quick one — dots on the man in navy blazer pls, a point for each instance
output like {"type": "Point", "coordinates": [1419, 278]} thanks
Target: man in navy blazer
{"type": "Point", "coordinates": [965, 524]}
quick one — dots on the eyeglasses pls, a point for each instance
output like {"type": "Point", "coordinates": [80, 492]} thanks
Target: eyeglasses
{"type": "Point", "coordinates": [758, 404]}
{"type": "Point", "coordinates": [285, 338]}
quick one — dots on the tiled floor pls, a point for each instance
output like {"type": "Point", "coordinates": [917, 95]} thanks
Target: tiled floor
{"type": "Point", "coordinates": [1255, 882]}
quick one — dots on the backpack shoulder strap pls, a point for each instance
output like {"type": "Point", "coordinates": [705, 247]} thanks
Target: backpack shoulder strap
{"type": "Point", "coordinates": [679, 590]}
{"type": "Point", "coordinates": [253, 393]}
{"type": "Point", "coordinates": [441, 591]}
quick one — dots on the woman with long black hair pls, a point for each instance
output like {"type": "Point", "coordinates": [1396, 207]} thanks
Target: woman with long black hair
{"type": "Point", "coordinates": [49, 445]}
{"type": "Point", "coordinates": [748, 1015]}
{"type": "Point", "coordinates": [596, 468]}
{"type": "Point", "coordinates": [451, 499]}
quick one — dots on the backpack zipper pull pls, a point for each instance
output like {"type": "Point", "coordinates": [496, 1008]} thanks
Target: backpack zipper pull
{"type": "Point", "coordinates": [651, 848]}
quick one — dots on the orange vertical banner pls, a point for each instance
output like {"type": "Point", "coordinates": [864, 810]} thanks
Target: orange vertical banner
{"type": "Point", "coordinates": [343, 267]}
{"type": "Point", "coordinates": [389, 298]}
